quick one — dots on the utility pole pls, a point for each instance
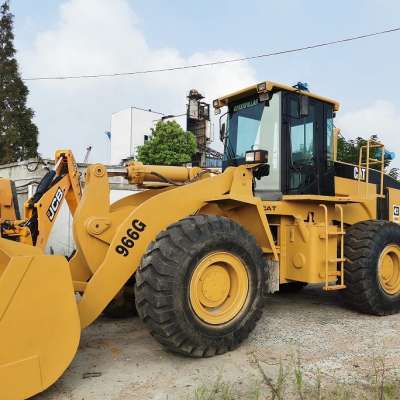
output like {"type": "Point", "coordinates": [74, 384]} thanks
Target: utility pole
{"type": "Point", "coordinates": [88, 150]}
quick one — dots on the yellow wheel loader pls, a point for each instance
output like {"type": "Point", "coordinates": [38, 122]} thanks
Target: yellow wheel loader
{"type": "Point", "coordinates": [204, 249]}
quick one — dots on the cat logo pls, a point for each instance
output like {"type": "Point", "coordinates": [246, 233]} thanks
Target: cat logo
{"type": "Point", "coordinates": [396, 213]}
{"type": "Point", "coordinates": [55, 204]}
{"type": "Point", "coordinates": [359, 176]}
{"type": "Point", "coordinates": [270, 208]}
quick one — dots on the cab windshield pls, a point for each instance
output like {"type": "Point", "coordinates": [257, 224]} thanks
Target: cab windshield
{"type": "Point", "coordinates": [252, 124]}
{"type": "Point", "coordinates": [243, 127]}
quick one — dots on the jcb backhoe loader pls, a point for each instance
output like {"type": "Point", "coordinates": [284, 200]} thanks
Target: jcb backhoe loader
{"type": "Point", "coordinates": [205, 249]}
{"type": "Point", "coordinates": [41, 210]}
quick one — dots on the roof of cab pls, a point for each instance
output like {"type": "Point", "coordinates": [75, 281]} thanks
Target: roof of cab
{"type": "Point", "coordinates": [270, 86]}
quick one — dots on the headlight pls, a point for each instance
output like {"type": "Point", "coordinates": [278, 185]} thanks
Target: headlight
{"type": "Point", "coordinates": [256, 156]}
{"type": "Point", "coordinates": [262, 87]}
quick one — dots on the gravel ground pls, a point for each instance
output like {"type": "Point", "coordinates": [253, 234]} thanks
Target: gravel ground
{"type": "Point", "coordinates": [120, 360]}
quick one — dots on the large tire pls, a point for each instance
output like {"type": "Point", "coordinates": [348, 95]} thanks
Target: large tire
{"type": "Point", "coordinates": [164, 291]}
{"type": "Point", "coordinates": [372, 280]}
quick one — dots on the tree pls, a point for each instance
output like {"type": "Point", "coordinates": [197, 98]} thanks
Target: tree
{"type": "Point", "coordinates": [394, 173]}
{"type": "Point", "coordinates": [168, 145]}
{"type": "Point", "coordinates": [18, 134]}
{"type": "Point", "coordinates": [349, 151]}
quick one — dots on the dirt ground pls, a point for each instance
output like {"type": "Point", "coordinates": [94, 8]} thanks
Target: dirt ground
{"type": "Point", "coordinates": [120, 360]}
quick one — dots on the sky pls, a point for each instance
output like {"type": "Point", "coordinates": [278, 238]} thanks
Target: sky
{"type": "Point", "coordinates": [67, 37]}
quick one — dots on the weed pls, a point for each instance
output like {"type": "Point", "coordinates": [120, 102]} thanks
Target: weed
{"type": "Point", "coordinates": [291, 383]}
{"type": "Point", "coordinates": [218, 390]}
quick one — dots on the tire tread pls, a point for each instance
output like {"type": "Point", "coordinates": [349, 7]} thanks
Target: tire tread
{"type": "Point", "coordinates": [154, 286]}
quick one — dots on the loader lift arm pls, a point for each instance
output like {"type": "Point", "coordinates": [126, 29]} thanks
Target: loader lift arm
{"type": "Point", "coordinates": [107, 235]}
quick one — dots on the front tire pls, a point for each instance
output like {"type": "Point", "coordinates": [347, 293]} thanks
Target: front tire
{"type": "Point", "coordinates": [200, 286]}
{"type": "Point", "coordinates": [372, 269]}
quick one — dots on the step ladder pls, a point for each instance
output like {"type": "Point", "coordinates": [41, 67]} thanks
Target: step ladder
{"type": "Point", "coordinates": [341, 259]}
{"type": "Point", "coordinates": [371, 163]}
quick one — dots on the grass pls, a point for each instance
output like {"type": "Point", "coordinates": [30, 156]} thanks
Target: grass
{"type": "Point", "coordinates": [291, 382]}
{"type": "Point", "coordinates": [218, 390]}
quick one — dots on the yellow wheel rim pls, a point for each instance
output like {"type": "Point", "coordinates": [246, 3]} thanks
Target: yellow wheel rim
{"type": "Point", "coordinates": [389, 269]}
{"type": "Point", "coordinates": [218, 288]}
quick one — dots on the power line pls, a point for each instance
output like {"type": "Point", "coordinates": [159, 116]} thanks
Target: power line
{"type": "Point", "coordinates": [147, 110]}
{"type": "Point", "coordinates": [220, 62]}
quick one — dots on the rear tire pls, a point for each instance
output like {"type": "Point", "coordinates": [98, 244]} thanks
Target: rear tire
{"type": "Point", "coordinates": [167, 286]}
{"type": "Point", "coordinates": [372, 269]}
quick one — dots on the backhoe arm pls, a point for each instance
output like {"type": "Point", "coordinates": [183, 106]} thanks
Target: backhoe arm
{"type": "Point", "coordinates": [42, 209]}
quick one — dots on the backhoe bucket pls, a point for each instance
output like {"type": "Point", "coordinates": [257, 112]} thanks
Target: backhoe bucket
{"type": "Point", "coordinates": [39, 321]}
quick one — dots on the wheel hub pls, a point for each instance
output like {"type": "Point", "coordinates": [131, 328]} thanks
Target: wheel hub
{"type": "Point", "coordinates": [219, 287]}
{"type": "Point", "coordinates": [389, 269]}
{"type": "Point", "coordinates": [216, 284]}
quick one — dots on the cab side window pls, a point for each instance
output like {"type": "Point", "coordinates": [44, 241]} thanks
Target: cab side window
{"type": "Point", "coordinates": [302, 140]}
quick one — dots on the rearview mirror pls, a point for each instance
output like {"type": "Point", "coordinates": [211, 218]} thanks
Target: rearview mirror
{"type": "Point", "coordinates": [222, 132]}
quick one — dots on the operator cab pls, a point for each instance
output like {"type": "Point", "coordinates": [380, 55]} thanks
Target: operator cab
{"type": "Point", "coordinates": [293, 125]}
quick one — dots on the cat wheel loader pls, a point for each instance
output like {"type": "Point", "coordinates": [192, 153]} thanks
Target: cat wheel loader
{"type": "Point", "coordinates": [204, 249]}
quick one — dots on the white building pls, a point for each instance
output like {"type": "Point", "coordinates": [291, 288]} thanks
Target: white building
{"type": "Point", "coordinates": [130, 128]}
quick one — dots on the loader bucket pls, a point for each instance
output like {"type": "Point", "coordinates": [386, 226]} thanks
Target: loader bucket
{"type": "Point", "coordinates": [39, 322]}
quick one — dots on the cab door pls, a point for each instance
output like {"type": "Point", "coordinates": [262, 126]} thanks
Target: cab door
{"type": "Point", "coordinates": [304, 146]}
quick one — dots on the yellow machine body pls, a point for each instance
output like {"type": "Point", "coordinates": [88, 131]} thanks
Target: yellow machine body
{"type": "Point", "coordinates": [300, 236]}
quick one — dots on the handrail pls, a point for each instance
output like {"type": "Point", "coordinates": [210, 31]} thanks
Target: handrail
{"type": "Point", "coordinates": [371, 144]}
{"type": "Point", "coordinates": [325, 208]}
{"type": "Point", "coordinates": [340, 208]}
{"type": "Point", "coordinates": [341, 259]}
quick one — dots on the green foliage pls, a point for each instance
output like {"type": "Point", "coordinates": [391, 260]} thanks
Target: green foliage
{"type": "Point", "coordinates": [394, 173]}
{"type": "Point", "coordinates": [18, 134]}
{"type": "Point", "coordinates": [349, 151]}
{"type": "Point", "coordinates": [218, 390]}
{"type": "Point", "coordinates": [168, 145]}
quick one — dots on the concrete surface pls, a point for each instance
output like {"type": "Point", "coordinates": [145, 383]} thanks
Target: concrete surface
{"type": "Point", "coordinates": [125, 362]}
